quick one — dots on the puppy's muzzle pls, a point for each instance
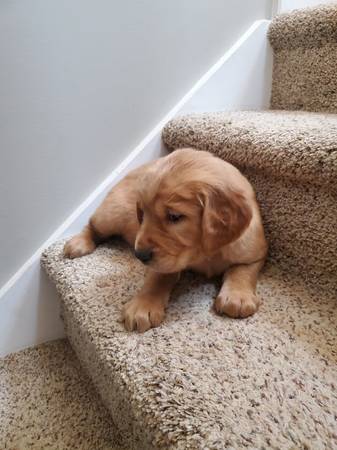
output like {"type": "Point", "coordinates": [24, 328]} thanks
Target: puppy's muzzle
{"type": "Point", "coordinates": [144, 255]}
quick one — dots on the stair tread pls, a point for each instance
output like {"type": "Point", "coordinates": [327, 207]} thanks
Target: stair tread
{"type": "Point", "coordinates": [293, 144]}
{"type": "Point", "coordinates": [200, 380]}
{"type": "Point", "coordinates": [306, 28]}
{"type": "Point", "coordinates": [48, 402]}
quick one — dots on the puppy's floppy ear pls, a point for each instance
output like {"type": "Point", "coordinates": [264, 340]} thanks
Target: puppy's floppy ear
{"type": "Point", "coordinates": [225, 217]}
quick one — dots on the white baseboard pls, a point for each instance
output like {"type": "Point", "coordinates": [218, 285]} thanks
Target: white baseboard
{"type": "Point", "coordinates": [241, 79]}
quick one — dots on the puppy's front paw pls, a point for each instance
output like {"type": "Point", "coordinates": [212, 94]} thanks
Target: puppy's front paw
{"type": "Point", "coordinates": [237, 303]}
{"type": "Point", "coordinates": [78, 246]}
{"type": "Point", "coordinates": [143, 313]}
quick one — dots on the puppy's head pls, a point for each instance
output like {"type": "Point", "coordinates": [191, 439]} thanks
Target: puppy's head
{"type": "Point", "coordinates": [190, 204]}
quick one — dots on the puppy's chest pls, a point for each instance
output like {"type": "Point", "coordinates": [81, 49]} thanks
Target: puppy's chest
{"type": "Point", "coordinates": [213, 266]}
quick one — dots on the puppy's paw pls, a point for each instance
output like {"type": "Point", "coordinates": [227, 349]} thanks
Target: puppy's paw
{"type": "Point", "coordinates": [78, 246]}
{"type": "Point", "coordinates": [237, 303]}
{"type": "Point", "coordinates": [142, 313]}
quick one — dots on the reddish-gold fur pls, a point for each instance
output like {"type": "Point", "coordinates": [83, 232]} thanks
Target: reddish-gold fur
{"type": "Point", "coordinates": [221, 230]}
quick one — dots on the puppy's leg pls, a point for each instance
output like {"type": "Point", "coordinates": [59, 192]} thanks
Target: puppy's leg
{"type": "Point", "coordinates": [237, 296]}
{"type": "Point", "coordinates": [115, 216]}
{"type": "Point", "coordinates": [147, 309]}
{"type": "Point", "coordinates": [81, 244]}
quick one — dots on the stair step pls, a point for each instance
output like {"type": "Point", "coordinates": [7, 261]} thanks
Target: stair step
{"type": "Point", "coordinates": [305, 28]}
{"type": "Point", "coordinates": [298, 145]}
{"type": "Point", "coordinates": [291, 159]}
{"type": "Point", "coordinates": [199, 380]}
{"type": "Point", "coordinates": [48, 402]}
{"type": "Point", "coordinates": [305, 59]}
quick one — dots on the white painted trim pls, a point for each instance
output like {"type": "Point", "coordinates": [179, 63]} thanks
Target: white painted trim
{"type": "Point", "coordinates": [28, 288]}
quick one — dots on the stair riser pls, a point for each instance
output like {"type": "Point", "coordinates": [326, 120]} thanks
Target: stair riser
{"type": "Point", "coordinates": [304, 44]}
{"type": "Point", "coordinates": [107, 381]}
{"type": "Point", "coordinates": [300, 224]}
{"type": "Point", "coordinates": [305, 79]}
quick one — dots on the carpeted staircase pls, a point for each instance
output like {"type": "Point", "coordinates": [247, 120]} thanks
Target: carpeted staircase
{"type": "Point", "coordinates": [291, 159]}
{"type": "Point", "coordinates": [47, 402]}
{"type": "Point", "coordinates": [201, 381]}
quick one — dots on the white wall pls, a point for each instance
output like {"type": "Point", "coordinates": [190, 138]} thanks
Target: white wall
{"type": "Point", "coordinates": [81, 82]}
{"type": "Point", "coordinates": [289, 5]}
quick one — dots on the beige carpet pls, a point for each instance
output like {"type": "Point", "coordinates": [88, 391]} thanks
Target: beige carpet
{"type": "Point", "coordinates": [204, 382]}
{"type": "Point", "coordinates": [48, 403]}
{"type": "Point", "coordinates": [291, 159]}
{"type": "Point", "coordinates": [201, 381]}
{"type": "Point", "coordinates": [304, 43]}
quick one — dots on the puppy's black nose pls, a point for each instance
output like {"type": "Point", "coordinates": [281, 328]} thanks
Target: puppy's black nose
{"type": "Point", "coordinates": [144, 255]}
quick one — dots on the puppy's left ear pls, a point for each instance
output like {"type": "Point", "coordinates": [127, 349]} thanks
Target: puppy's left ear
{"type": "Point", "coordinates": [225, 218]}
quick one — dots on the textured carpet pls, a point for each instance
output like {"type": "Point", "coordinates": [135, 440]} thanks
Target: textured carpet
{"type": "Point", "coordinates": [204, 382]}
{"type": "Point", "coordinates": [305, 59]}
{"type": "Point", "coordinates": [201, 381]}
{"type": "Point", "coordinates": [291, 159]}
{"type": "Point", "coordinates": [48, 403]}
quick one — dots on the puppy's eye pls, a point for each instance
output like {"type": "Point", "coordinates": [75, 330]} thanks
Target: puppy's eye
{"type": "Point", "coordinates": [140, 214]}
{"type": "Point", "coordinates": [174, 217]}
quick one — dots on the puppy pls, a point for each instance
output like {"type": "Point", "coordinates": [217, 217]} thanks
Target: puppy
{"type": "Point", "coordinates": [187, 210]}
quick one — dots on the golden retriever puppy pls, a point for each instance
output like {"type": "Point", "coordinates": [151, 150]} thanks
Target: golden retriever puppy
{"type": "Point", "coordinates": [187, 210]}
